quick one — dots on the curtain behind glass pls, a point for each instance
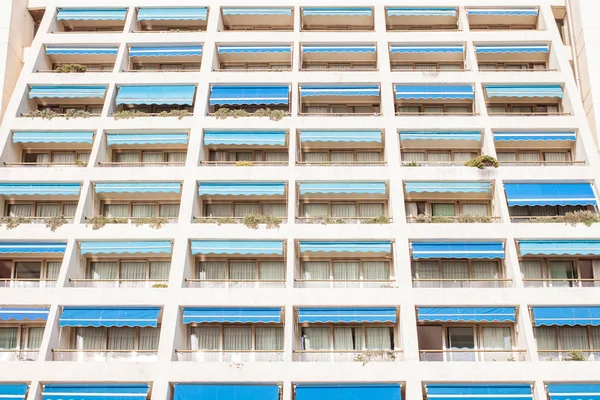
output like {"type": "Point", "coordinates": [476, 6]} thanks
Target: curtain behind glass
{"type": "Point", "coordinates": [83, 157]}
{"type": "Point", "coordinates": [241, 210]}
{"type": "Point", "coordinates": [455, 269]}
{"type": "Point", "coordinates": [376, 270]}
{"type": "Point", "coordinates": [213, 270]}
{"type": "Point", "coordinates": [69, 210]}
{"type": "Point", "coordinates": [149, 338]}
{"type": "Point", "coordinates": [342, 156]}
{"type": "Point", "coordinates": [545, 337]}
{"type": "Point", "coordinates": [368, 156]}
{"type": "Point", "coordinates": [346, 270]}
{"type": "Point", "coordinates": [237, 338]}
{"type": "Point", "coordinates": [121, 338]}
{"type": "Point", "coordinates": [127, 157]}
{"type": "Point", "coordinates": [205, 338]}
{"type": "Point", "coordinates": [143, 210]}
{"type": "Point", "coordinates": [103, 270]}
{"type": "Point", "coordinates": [275, 209]}
{"type": "Point", "coordinates": [52, 270]}
{"type": "Point", "coordinates": [496, 339]}
{"type": "Point", "coordinates": [34, 340]}
{"type": "Point", "coordinates": [20, 210]}
{"type": "Point", "coordinates": [8, 338]}
{"type": "Point", "coordinates": [316, 339]}
{"type": "Point", "coordinates": [116, 210]}
{"type": "Point", "coordinates": [169, 210]}
{"type": "Point", "coordinates": [315, 157]}
{"type": "Point", "coordinates": [432, 156]}
{"type": "Point", "coordinates": [133, 270]}
{"type": "Point", "coordinates": [152, 157]}
{"type": "Point", "coordinates": [595, 335]}
{"type": "Point", "coordinates": [90, 339]}
{"type": "Point", "coordinates": [507, 157]}
{"type": "Point", "coordinates": [532, 270]}
{"type": "Point", "coordinates": [219, 210]}
{"type": "Point", "coordinates": [561, 270]}
{"type": "Point", "coordinates": [271, 270]}
{"type": "Point", "coordinates": [475, 209]}
{"type": "Point", "coordinates": [63, 158]}
{"type": "Point", "coordinates": [412, 156]}
{"type": "Point", "coordinates": [370, 210]}
{"type": "Point", "coordinates": [463, 156]}
{"type": "Point", "coordinates": [428, 270]}
{"type": "Point", "coordinates": [556, 158]}
{"type": "Point", "coordinates": [177, 157]}
{"type": "Point", "coordinates": [47, 210]}
{"type": "Point", "coordinates": [160, 270]}
{"type": "Point", "coordinates": [316, 270]}
{"type": "Point", "coordinates": [269, 338]}
{"type": "Point", "coordinates": [242, 271]}
{"type": "Point", "coordinates": [276, 156]}
{"type": "Point", "coordinates": [378, 339]}
{"type": "Point", "coordinates": [443, 210]}
{"type": "Point", "coordinates": [573, 338]}
{"type": "Point", "coordinates": [343, 210]}
{"type": "Point", "coordinates": [484, 269]}
{"type": "Point", "coordinates": [315, 210]}
{"type": "Point", "coordinates": [342, 339]}
{"type": "Point", "coordinates": [596, 268]}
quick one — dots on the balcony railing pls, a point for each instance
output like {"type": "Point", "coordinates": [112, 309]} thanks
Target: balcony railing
{"type": "Point", "coordinates": [456, 219]}
{"type": "Point", "coordinates": [517, 70]}
{"type": "Point", "coordinates": [226, 220]}
{"type": "Point", "coordinates": [44, 164]}
{"type": "Point", "coordinates": [527, 114]}
{"type": "Point", "coordinates": [436, 113]}
{"type": "Point", "coordinates": [60, 115]}
{"type": "Point", "coordinates": [339, 69]}
{"type": "Point", "coordinates": [561, 283]}
{"type": "Point", "coordinates": [104, 355]}
{"type": "Point", "coordinates": [472, 355]}
{"type": "Point", "coordinates": [119, 283]}
{"type": "Point", "coordinates": [138, 220]}
{"type": "Point", "coordinates": [236, 283]}
{"type": "Point", "coordinates": [42, 220]}
{"type": "Point", "coordinates": [27, 283]}
{"type": "Point", "coordinates": [462, 283]}
{"type": "Point", "coordinates": [539, 163]}
{"type": "Point", "coordinates": [254, 69]}
{"type": "Point", "coordinates": [433, 163]}
{"type": "Point", "coordinates": [345, 283]}
{"type": "Point", "coordinates": [155, 70]}
{"type": "Point", "coordinates": [159, 114]}
{"type": "Point", "coordinates": [326, 220]}
{"type": "Point", "coordinates": [230, 355]}
{"type": "Point", "coordinates": [142, 164]}
{"type": "Point", "coordinates": [558, 219]}
{"type": "Point", "coordinates": [569, 355]}
{"type": "Point", "coordinates": [244, 163]}
{"type": "Point", "coordinates": [405, 69]}
{"type": "Point", "coordinates": [19, 355]}
{"type": "Point", "coordinates": [341, 163]}
{"type": "Point", "coordinates": [333, 356]}
{"type": "Point", "coordinates": [336, 114]}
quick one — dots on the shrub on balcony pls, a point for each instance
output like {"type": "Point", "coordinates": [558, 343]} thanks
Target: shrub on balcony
{"type": "Point", "coordinates": [412, 164]}
{"type": "Point", "coordinates": [586, 217]}
{"type": "Point", "coordinates": [44, 114]}
{"type": "Point", "coordinates": [99, 221]}
{"type": "Point", "coordinates": [325, 220]}
{"type": "Point", "coordinates": [382, 219]}
{"type": "Point", "coordinates": [68, 68]}
{"type": "Point", "coordinates": [174, 113]}
{"type": "Point", "coordinates": [153, 222]}
{"type": "Point", "coordinates": [274, 115]}
{"type": "Point", "coordinates": [252, 221]}
{"type": "Point", "coordinates": [53, 223]}
{"type": "Point", "coordinates": [575, 356]}
{"type": "Point", "coordinates": [216, 220]}
{"type": "Point", "coordinates": [12, 222]}
{"type": "Point", "coordinates": [473, 219]}
{"type": "Point", "coordinates": [244, 164]}
{"type": "Point", "coordinates": [482, 162]}
{"type": "Point", "coordinates": [375, 355]}
{"type": "Point", "coordinates": [128, 114]}
{"type": "Point", "coordinates": [71, 113]}
{"type": "Point", "coordinates": [160, 286]}
{"type": "Point", "coordinates": [80, 163]}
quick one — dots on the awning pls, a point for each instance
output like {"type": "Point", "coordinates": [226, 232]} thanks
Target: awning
{"type": "Point", "coordinates": [346, 315]}
{"type": "Point", "coordinates": [232, 315]}
{"type": "Point", "coordinates": [434, 92]}
{"type": "Point", "coordinates": [444, 250]}
{"type": "Point", "coordinates": [394, 49]}
{"type": "Point", "coordinates": [110, 316]}
{"type": "Point", "coordinates": [346, 12]}
{"type": "Point", "coordinates": [341, 247]}
{"type": "Point", "coordinates": [13, 391]}
{"type": "Point", "coordinates": [340, 136]}
{"type": "Point", "coordinates": [503, 11]}
{"type": "Point", "coordinates": [238, 95]}
{"type": "Point", "coordinates": [166, 51]}
{"type": "Point", "coordinates": [146, 94]}
{"type": "Point", "coordinates": [40, 189]}
{"type": "Point", "coordinates": [222, 49]}
{"type": "Point", "coordinates": [96, 391]}
{"type": "Point", "coordinates": [336, 90]}
{"type": "Point", "coordinates": [241, 189]}
{"type": "Point", "coordinates": [53, 137]}
{"type": "Point", "coordinates": [125, 247]}
{"type": "Point", "coordinates": [32, 247]}
{"type": "Point", "coordinates": [256, 11]}
{"type": "Point", "coordinates": [242, 247]}
{"type": "Point", "coordinates": [560, 247]}
{"type": "Point", "coordinates": [68, 51]}
{"type": "Point", "coordinates": [132, 187]}
{"type": "Point", "coordinates": [566, 316]}
{"type": "Point", "coordinates": [466, 314]}
{"type": "Point", "coordinates": [550, 194]}
{"type": "Point", "coordinates": [337, 49]}
{"type": "Point", "coordinates": [541, 48]}
{"type": "Point", "coordinates": [573, 391]}
{"type": "Point", "coordinates": [521, 91]}
{"type": "Point", "coordinates": [346, 391]}
{"type": "Point", "coordinates": [342, 188]}
{"type": "Point", "coordinates": [23, 314]}
{"type": "Point", "coordinates": [119, 139]}
{"type": "Point", "coordinates": [245, 138]}
{"type": "Point", "coordinates": [66, 92]}
{"type": "Point", "coordinates": [172, 14]}
{"type": "Point", "coordinates": [441, 135]}
{"type": "Point", "coordinates": [487, 391]}
{"type": "Point", "coordinates": [448, 187]}
{"type": "Point", "coordinates": [195, 391]}
{"type": "Point", "coordinates": [534, 136]}
{"type": "Point", "coordinates": [91, 14]}
{"type": "Point", "coordinates": [421, 12]}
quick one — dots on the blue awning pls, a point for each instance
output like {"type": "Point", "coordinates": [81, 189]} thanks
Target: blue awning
{"type": "Point", "coordinates": [68, 51]}
{"type": "Point", "coordinates": [147, 94]}
{"type": "Point", "coordinates": [487, 391]}
{"type": "Point", "coordinates": [110, 316]}
{"type": "Point", "coordinates": [195, 391]}
{"type": "Point", "coordinates": [172, 14]}
{"type": "Point", "coordinates": [346, 315]}
{"type": "Point", "coordinates": [232, 315]}
{"type": "Point", "coordinates": [32, 247]}
{"type": "Point", "coordinates": [466, 314]}
{"type": "Point", "coordinates": [96, 391]}
{"type": "Point", "coordinates": [229, 49]}
{"type": "Point", "coordinates": [256, 11]}
{"type": "Point", "coordinates": [165, 51]}
{"type": "Point", "coordinates": [125, 247]}
{"type": "Point", "coordinates": [238, 95]}
{"type": "Point", "coordinates": [441, 135]}
{"type": "Point", "coordinates": [560, 247]}
{"type": "Point", "coordinates": [396, 49]}
{"type": "Point", "coordinates": [448, 187]}
{"type": "Point", "coordinates": [340, 136]}
{"type": "Point", "coordinates": [345, 12]}
{"type": "Point", "coordinates": [342, 188]}
{"type": "Point", "coordinates": [534, 136]}
{"type": "Point", "coordinates": [574, 391]}
{"type": "Point", "coordinates": [507, 12]}
{"type": "Point", "coordinates": [23, 314]}
{"type": "Point", "coordinates": [520, 91]}
{"type": "Point", "coordinates": [40, 189]}
{"type": "Point", "coordinates": [245, 138]}
{"type": "Point", "coordinates": [549, 194]}
{"type": "Point", "coordinates": [314, 48]}
{"type": "Point", "coordinates": [133, 187]}
{"type": "Point", "coordinates": [53, 137]}
{"type": "Point", "coordinates": [91, 14]}
{"type": "Point", "coordinates": [421, 12]}
{"type": "Point", "coordinates": [336, 90]}
{"type": "Point", "coordinates": [434, 92]}
{"type": "Point", "coordinates": [245, 247]}
{"type": "Point", "coordinates": [566, 316]}
{"type": "Point", "coordinates": [471, 250]}
{"type": "Point", "coordinates": [347, 391]}
{"type": "Point", "coordinates": [66, 92]}
{"type": "Point", "coordinates": [13, 391]}
{"type": "Point", "coordinates": [119, 139]}
{"type": "Point", "coordinates": [539, 48]}
{"type": "Point", "coordinates": [342, 247]}
{"type": "Point", "coordinates": [241, 189]}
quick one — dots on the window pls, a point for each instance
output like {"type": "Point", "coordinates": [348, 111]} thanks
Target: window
{"type": "Point", "coordinates": [524, 66]}
{"type": "Point", "coordinates": [131, 339]}
{"type": "Point", "coordinates": [21, 338]}
{"type": "Point", "coordinates": [357, 338]}
{"type": "Point", "coordinates": [140, 210]}
{"type": "Point", "coordinates": [449, 209]}
{"type": "Point", "coordinates": [247, 155]}
{"type": "Point", "coordinates": [427, 66]}
{"type": "Point", "coordinates": [240, 338]}
{"type": "Point", "coordinates": [523, 109]}
{"type": "Point", "coordinates": [94, 109]}
{"type": "Point", "coordinates": [556, 157]}
{"type": "Point", "coordinates": [149, 156]}
{"type": "Point", "coordinates": [29, 271]}
{"type": "Point", "coordinates": [435, 109]}
{"type": "Point", "coordinates": [334, 66]}
{"type": "Point", "coordinates": [527, 213]}
{"type": "Point", "coordinates": [340, 108]}
{"type": "Point", "coordinates": [560, 272]}
{"type": "Point", "coordinates": [567, 342]}
{"type": "Point", "coordinates": [129, 270]}
{"type": "Point", "coordinates": [55, 157]}
{"type": "Point", "coordinates": [241, 209]}
{"type": "Point", "coordinates": [255, 67]}
{"type": "Point", "coordinates": [342, 156]}
{"type": "Point", "coordinates": [346, 270]}
{"type": "Point", "coordinates": [241, 270]}
{"type": "Point", "coordinates": [41, 210]}
{"type": "Point", "coordinates": [457, 273]}
{"type": "Point", "coordinates": [495, 343]}
{"type": "Point", "coordinates": [343, 210]}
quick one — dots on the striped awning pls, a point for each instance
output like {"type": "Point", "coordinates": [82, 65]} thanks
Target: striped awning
{"type": "Point", "coordinates": [165, 51]}
{"type": "Point", "coordinates": [527, 91]}
{"type": "Point", "coordinates": [91, 14]}
{"type": "Point", "coordinates": [172, 14]}
{"type": "Point", "coordinates": [97, 391]}
{"type": "Point", "coordinates": [126, 247]}
{"type": "Point", "coordinates": [238, 95]}
{"type": "Point", "coordinates": [487, 391]}
{"type": "Point", "coordinates": [448, 250]}
{"type": "Point", "coordinates": [340, 136]}
{"type": "Point", "coordinates": [503, 12]}
{"type": "Point", "coordinates": [230, 49]}
{"type": "Point", "coordinates": [402, 49]}
{"type": "Point", "coordinates": [245, 138]}
{"type": "Point", "coordinates": [566, 316]}
{"type": "Point", "coordinates": [69, 51]}
{"type": "Point", "coordinates": [110, 316]}
{"type": "Point", "coordinates": [150, 94]}
{"type": "Point", "coordinates": [489, 49]}
{"type": "Point", "coordinates": [550, 194]}
{"type": "Point", "coordinates": [347, 391]}
{"type": "Point", "coordinates": [241, 247]}
{"type": "Point", "coordinates": [40, 189]}
{"type": "Point", "coordinates": [344, 12]}
{"type": "Point", "coordinates": [336, 90]}
{"type": "Point", "coordinates": [13, 391]}
{"type": "Point", "coordinates": [466, 314]}
{"type": "Point", "coordinates": [241, 189]}
{"type": "Point", "coordinates": [255, 11]}
{"type": "Point", "coordinates": [422, 12]}
{"type": "Point", "coordinates": [534, 136]}
{"type": "Point", "coordinates": [53, 137]}
{"type": "Point", "coordinates": [342, 188]}
{"type": "Point", "coordinates": [448, 187]}
{"type": "Point", "coordinates": [314, 48]}
{"type": "Point", "coordinates": [119, 139]}
{"type": "Point", "coordinates": [434, 92]}
{"type": "Point", "coordinates": [573, 391]}
{"type": "Point", "coordinates": [66, 92]}
{"type": "Point", "coordinates": [560, 247]}
{"type": "Point", "coordinates": [225, 391]}
{"type": "Point", "coordinates": [346, 315]}
{"type": "Point", "coordinates": [441, 135]}
{"type": "Point", "coordinates": [23, 314]}
{"type": "Point", "coordinates": [133, 187]}
{"type": "Point", "coordinates": [32, 247]}
{"type": "Point", "coordinates": [345, 247]}
{"type": "Point", "coordinates": [232, 315]}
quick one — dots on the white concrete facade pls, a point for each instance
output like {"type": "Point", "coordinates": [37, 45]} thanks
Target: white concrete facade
{"type": "Point", "coordinates": [411, 372]}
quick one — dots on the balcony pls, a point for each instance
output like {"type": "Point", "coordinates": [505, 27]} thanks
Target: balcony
{"type": "Point", "coordinates": [475, 355]}
{"type": "Point", "coordinates": [88, 20]}
{"type": "Point", "coordinates": [336, 19]}
{"type": "Point", "coordinates": [513, 58]}
{"type": "Point", "coordinates": [245, 148]}
{"type": "Point", "coordinates": [21, 336]}
{"type": "Point", "coordinates": [104, 355]}
{"type": "Point", "coordinates": [49, 149]}
{"type": "Point", "coordinates": [176, 19]}
{"type": "Point", "coordinates": [339, 356]}
{"type": "Point", "coordinates": [341, 148]}
{"type": "Point", "coordinates": [247, 101]}
{"type": "Point", "coordinates": [257, 19]}
{"type": "Point", "coordinates": [66, 101]}
{"type": "Point", "coordinates": [532, 149]}
{"type": "Point", "coordinates": [18, 355]}
{"type": "Point", "coordinates": [427, 58]}
{"type": "Point", "coordinates": [524, 100]}
{"type": "Point", "coordinates": [230, 356]}
{"type": "Point", "coordinates": [77, 59]}
{"type": "Point", "coordinates": [134, 101]}
{"type": "Point", "coordinates": [258, 58]}
{"type": "Point", "coordinates": [430, 100]}
{"type": "Point", "coordinates": [145, 149]}
{"type": "Point", "coordinates": [172, 58]}
{"type": "Point", "coordinates": [324, 57]}
{"type": "Point", "coordinates": [421, 19]}
{"type": "Point", "coordinates": [439, 148]}
{"type": "Point", "coordinates": [502, 18]}
{"type": "Point", "coordinates": [336, 100]}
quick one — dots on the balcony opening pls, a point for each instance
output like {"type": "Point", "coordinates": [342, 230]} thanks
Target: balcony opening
{"type": "Point", "coordinates": [562, 23]}
{"type": "Point", "coordinates": [439, 148]}
{"type": "Point", "coordinates": [421, 19]}
{"type": "Point", "coordinates": [255, 58]}
{"type": "Point", "coordinates": [529, 149]}
{"type": "Point", "coordinates": [36, 14]}
{"type": "Point", "coordinates": [67, 101]}
{"type": "Point", "coordinates": [341, 148]}
{"type": "Point", "coordinates": [257, 19]}
{"type": "Point", "coordinates": [513, 58]}
{"type": "Point", "coordinates": [145, 149]}
{"type": "Point", "coordinates": [336, 100]}
{"type": "Point", "coordinates": [525, 100]}
{"type": "Point", "coordinates": [29, 273]}
{"type": "Point", "coordinates": [427, 58]}
{"type": "Point", "coordinates": [77, 59]}
{"type": "Point", "coordinates": [89, 20]}
{"type": "Point", "coordinates": [503, 18]}
{"type": "Point", "coordinates": [151, 101]}
{"type": "Point", "coordinates": [430, 100]}
{"type": "Point", "coordinates": [245, 148]}
{"type": "Point", "coordinates": [176, 19]}
{"type": "Point", "coordinates": [172, 58]}
{"type": "Point", "coordinates": [323, 57]}
{"type": "Point", "coordinates": [21, 330]}
{"type": "Point", "coordinates": [261, 101]}
{"type": "Point", "coordinates": [337, 19]}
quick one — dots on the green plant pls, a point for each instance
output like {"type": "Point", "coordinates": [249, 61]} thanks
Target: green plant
{"type": "Point", "coordinates": [128, 114]}
{"type": "Point", "coordinates": [482, 162]}
{"type": "Point", "coordinates": [216, 220]}
{"type": "Point", "coordinates": [160, 286]}
{"type": "Point", "coordinates": [470, 219]}
{"type": "Point", "coordinates": [54, 223]}
{"type": "Point", "coordinates": [12, 222]}
{"type": "Point", "coordinates": [375, 355]}
{"type": "Point", "coordinates": [98, 221]}
{"type": "Point", "coordinates": [72, 113]}
{"type": "Point", "coordinates": [422, 219]}
{"type": "Point", "coordinates": [586, 217]}
{"type": "Point", "coordinates": [325, 220]}
{"type": "Point", "coordinates": [575, 356]}
{"type": "Point", "coordinates": [66, 68]}
{"type": "Point", "coordinates": [154, 222]}
{"type": "Point", "coordinates": [274, 115]}
{"type": "Point", "coordinates": [253, 220]}
{"type": "Point", "coordinates": [244, 164]}
{"type": "Point", "coordinates": [412, 164]}
{"type": "Point", "coordinates": [44, 114]}
{"type": "Point", "coordinates": [382, 219]}
{"type": "Point", "coordinates": [80, 163]}
{"type": "Point", "coordinates": [174, 113]}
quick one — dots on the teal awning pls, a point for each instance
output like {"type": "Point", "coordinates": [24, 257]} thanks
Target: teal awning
{"type": "Point", "coordinates": [66, 92]}
{"type": "Point", "coordinates": [149, 94]}
{"type": "Point", "coordinates": [138, 187]}
{"type": "Point", "coordinates": [241, 189]}
{"type": "Point", "coordinates": [245, 138]}
{"type": "Point", "coordinates": [125, 247]}
{"type": "Point", "coordinates": [343, 247]}
{"type": "Point", "coordinates": [40, 189]}
{"type": "Point", "coordinates": [340, 136]}
{"type": "Point", "coordinates": [53, 137]}
{"type": "Point", "coordinates": [448, 187]}
{"type": "Point", "coordinates": [239, 247]}
{"type": "Point", "coordinates": [91, 14]}
{"type": "Point", "coordinates": [172, 14]}
{"type": "Point", "coordinates": [524, 91]}
{"type": "Point", "coordinates": [342, 188]}
{"type": "Point", "coordinates": [155, 138]}
{"type": "Point", "coordinates": [441, 135]}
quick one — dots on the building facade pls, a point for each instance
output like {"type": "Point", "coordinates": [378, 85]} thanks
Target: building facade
{"type": "Point", "coordinates": [292, 200]}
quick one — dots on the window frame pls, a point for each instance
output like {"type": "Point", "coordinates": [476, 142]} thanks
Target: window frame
{"type": "Point", "coordinates": [118, 261]}
{"type": "Point", "coordinates": [222, 326]}
{"type": "Point", "coordinates": [500, 266]}
{"type": "Point", "coordinates": [331, 261]}
{"type": "Point", "coordinates": [74, 334]}
{"type": "Point", "coordinates": [228, 261]}
{"type": "Point", "coordinates": [331, 203]}
{"type": "Point", "coordinates": [393, 337]}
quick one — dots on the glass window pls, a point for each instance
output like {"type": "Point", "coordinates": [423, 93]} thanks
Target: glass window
{"type": "Point", "coordinates": [28, 270]}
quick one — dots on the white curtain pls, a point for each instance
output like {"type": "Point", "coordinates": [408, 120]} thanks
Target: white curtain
{"type": "Point", "coordinates": [596, 267]}
{"type": "Point", "coordinates": [316, 270]}
{"type": "Point", "coordinates": [121, 339]}
{"type": "Point", "coordinates": [529, 157]}
{"type": "Point", "coordinates": [241, 210]}
{"type": "Point", "coordinates": [561, 270]}
{"type": "Point", "coordinates": [316, 109]}
{"type": "Point", "coordinates": [342, 156]}
{"type": "Point", "coordinates": [20, 210]}
{"type": "Point", "coordinates": [276, 156]}
{"type": "Point", "coordinates": [177, 157]}
{"type": "Point", "coordinates": [8, 338]}
{"type": "Point", "coordinates": [85, 157]}
{"type": "Point", "coordinates": [458, 109]}
{"type": "Point", "coordinates": [595, 336]}
{"type": "Point", "coordinates": [160, 269]}
{"type": "Point", "coordinates": [371, 210]}
{"type": "Point", "coordinates": [546, 339]}
{"type": "Point", "coordinates": [532, 270]}
{"type": "Point", "coordinates": [69, 210]}
{"type": "Point", "coordinates": [242, 270]}
{"type": "Point", "coordinates": [370, 156]}
{"type": "Point", "coordinates": [378, 339]}
{"type": "Point", "coordinates": [443, 210]}
{"type": "Point", "coordinates": [411, 208]}
{"type": "Point", "coordinates": [316, 339]}
{"type": "Point", "coordinates": [275, 209]}
{"type": "Point", "coordinates": [413, 156]}
{"type": "Point", "coordinates": [47, 210]}
{"type": "Point", "coordinates": [556, 158]}
{"type": "Point", "coordinates": [90, 339]}
{"type": "Point", "coordinates": [455, 269]}
{"type": "Point", "coordinates": [574, 338]}
{"type": "Point", "coordinates": [133, 270]}
{"type": "Point", "coordinates": [63, 158]}
{"type": "Point", "coordinates": [169, 210]}
{"type": "Point", "coordinates": [219, 210]}
{"type": "Point", "coordinates": [152, 157]}
{"type": "Point", "coordinates": [149, 338]}
{"type": "Point", "coordinates": [496, 339]}
{"type": "Point", "coordinates": [343, 339]}
{"type": "Point", "coordinates": [271, 270]}
{"type": "Point", "coordinates": [52, 269]}
{"type": "Point", "coordinates": [237, 338]}
{"type": "Point", "coordinates": [34, 340]}
{"type": "Point", "coordinates": [103, 270]}
{"type": "Point", "coordinates": [206, 338]}
{"type": "Point", "coordinates": [475, 209]}
{"type": "Point", "coordinates": [315, 210]}
{"type": "Point", "coordinates": [346, 270]}
{"type": "Point", "coordinates": [434, 156]}
{"type": "Point", "coordinates": [343, 210]}
{"type": "Point", "coordinates": [427, 270]}
{"type": "Point", "coordinates": [484, 269]}
{"type": "Point", "coordinates": [376, 270]}
{"type": "Point", "coordinates": [116, 210]}
{"type": "Point", "coordinates": [450, 67]}
{"type": "Point", "coordinates": [316, 157]}
{"type": "Point", "coordinates": [127, 157]}
{"type": "Point", "coordinates": [426, 67]}
{"type": "Point", "coordinates": [213, 270]}
{"type": "Point", "coordinates": [143, 210]}
{"type": "Point", "coordinates": [507, 157]}
{"type": "Point", "coordinates": [269, 338]}
{"type": "Point", "coordinates": [500, 109]}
